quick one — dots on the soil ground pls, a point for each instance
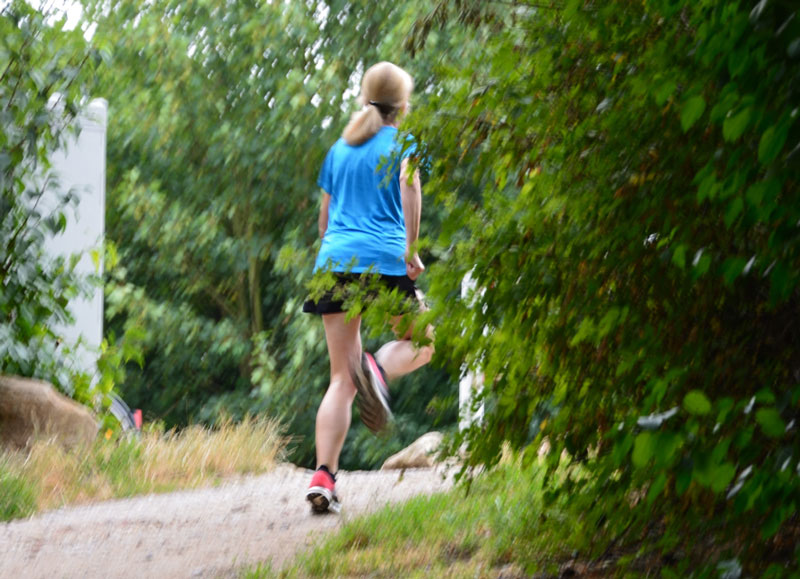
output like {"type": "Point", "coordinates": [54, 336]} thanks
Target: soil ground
{"type": "Point", "coordinates": [200, 533]}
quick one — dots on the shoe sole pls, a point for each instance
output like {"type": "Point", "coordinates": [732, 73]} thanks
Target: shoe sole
{"type": "Point", "coordinates": [375, 413]}
{"type": "Point", "coordinates": [322, 500]}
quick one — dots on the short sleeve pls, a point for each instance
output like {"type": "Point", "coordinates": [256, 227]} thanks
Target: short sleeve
{"type": "Point", "coordinates": [408, 147]}
{"type": "Point", "coordinates": [325, 179]}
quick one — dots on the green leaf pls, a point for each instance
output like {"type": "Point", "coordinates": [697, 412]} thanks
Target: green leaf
{"type": "Point", "coordinates": [765, 396]}
{"type": "Point", "coordinates": [735, 207]}
{"type": "Point", "coordinates": [732, 268]}
{"type": "Point", "coordinates": [95, 255]}
{"type": "Point", "coordinates": [664, 91]}
{"type": "Point", "coordinates": [772, 142]}
{"type": "Point", "coordinates": [622, 448]}
{"type": "Point", "coordinates": [755, 193]}
{"type": "Point", "coordinates": [735, 125]}
{"type": "Point", "coordinates": [608, 322]}
{"type": "Point", "coordinates": [695, 402]}
{"type": "Point", "coordinates": [762, 196]}
{"type": "Point", "coordinates": [585, 331]}
{"type": "Point", "coordinates": [728, 100]}
{"type": "Point", "coordinates": [701, 264]}
{"type": "Point", "coordinates": [771, 422]}
{"type": "Point", "coordinates": [643, 449]}
{"type": "Point", "coordinates": [691, 111]}
{"type": "Point", "coordinates": [656, 488]}
{"type": "Point", "coordinates": [725, 406]}
{"type": "Point", "coordinates": [666, 447]}
{"type": "Point", "coordinates": [679, 256]}
{"type": "Point", "coordinates": [721, 476]}
{"type": "Point", "coordinates": [708, 187]}
{"type": "Point", "coordinates": [744, 436]}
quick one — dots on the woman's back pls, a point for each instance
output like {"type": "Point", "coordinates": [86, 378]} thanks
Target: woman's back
{"type": "Point", "coordinates": [365, 219]}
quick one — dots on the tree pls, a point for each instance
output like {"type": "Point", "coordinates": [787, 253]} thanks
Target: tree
{"type": "Point", "coordinates": [45, 78]}
{"type": "Point", "coordinates": [224, 114]}
{"type": "Point", "coordinates": [621, 180]}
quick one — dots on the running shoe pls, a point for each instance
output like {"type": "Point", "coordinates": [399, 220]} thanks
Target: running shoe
{"type": "Point", "coordinates": [373, 393]}
{"type": "Point", "coordinates": [321, 493]}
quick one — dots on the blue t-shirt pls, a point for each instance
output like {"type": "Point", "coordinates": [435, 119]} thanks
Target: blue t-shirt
{"type": "Point", "coordinates": [365, 217]}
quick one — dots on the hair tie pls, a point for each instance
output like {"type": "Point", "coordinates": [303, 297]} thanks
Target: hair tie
{"type": "Point", "coordinates": [383, 107]}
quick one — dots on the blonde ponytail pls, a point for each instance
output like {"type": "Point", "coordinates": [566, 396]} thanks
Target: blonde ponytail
{"type": "Point", "coordinates": [385, 90]}
{"type": "Point", "coordinates": [363, 126]}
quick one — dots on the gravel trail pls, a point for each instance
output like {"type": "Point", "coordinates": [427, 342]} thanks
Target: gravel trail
{"type": "Point", "coordinates": [200, 533]}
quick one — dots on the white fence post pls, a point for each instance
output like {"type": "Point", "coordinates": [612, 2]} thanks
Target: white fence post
{"type": "Point", "coordinates": [81, 166]}
{"type": "Point", "coordinates": [471, 383]}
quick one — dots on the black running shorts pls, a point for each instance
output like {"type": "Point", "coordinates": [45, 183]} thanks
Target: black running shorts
{"type": "Point", "coordinates": [364, 286]}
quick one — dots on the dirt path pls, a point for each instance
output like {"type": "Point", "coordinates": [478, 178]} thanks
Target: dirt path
{"type": "Point", "coordinates": [200, 533]}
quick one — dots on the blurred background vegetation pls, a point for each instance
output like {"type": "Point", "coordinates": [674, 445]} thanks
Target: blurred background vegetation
{"type": "Point", "coordinates": [621, 179]}
{"type": "Point", "coordinates": [222, 117]}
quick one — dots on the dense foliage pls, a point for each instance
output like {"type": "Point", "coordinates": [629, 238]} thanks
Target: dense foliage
{"type": "Point", "coordinates": [220, 116]}
{"type": "Point", "coordinates": [45, 72]}
{"type": "Point", "coordinates": [619, 178]}
{"type": "Point", "coordinates": [622, 180]}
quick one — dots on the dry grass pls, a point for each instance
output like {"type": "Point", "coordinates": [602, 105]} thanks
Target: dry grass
{"type": "Point", "coordinates": [156, 461]}
{"type": "Point", "coordinates": [196, 455]}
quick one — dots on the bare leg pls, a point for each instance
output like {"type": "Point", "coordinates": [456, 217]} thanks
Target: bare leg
{"type": "Point", "coordinates": [401, 356]}
{"type": "Point", "coordinates": [333, 416]}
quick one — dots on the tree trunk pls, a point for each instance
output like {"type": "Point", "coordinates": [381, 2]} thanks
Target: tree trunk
{"type": "Point", "coordinates": [254, 273]}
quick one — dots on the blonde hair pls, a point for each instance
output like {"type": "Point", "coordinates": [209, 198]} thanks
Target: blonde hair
{"type": "Point", "coordinates": [385, 90]}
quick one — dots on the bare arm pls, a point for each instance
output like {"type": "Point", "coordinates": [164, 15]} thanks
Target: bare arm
{"type": "Point", "coordinates": [322, 223]}
{"type": "Point", "coordinates": [411, 196]}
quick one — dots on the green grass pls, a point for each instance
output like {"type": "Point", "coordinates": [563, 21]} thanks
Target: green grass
{"type": "Point", "coordinates": [502, 527]}
{"type": "Point", "coordinates": [17, 496]}
{"type": "Point", "coordinates": [511, 524]}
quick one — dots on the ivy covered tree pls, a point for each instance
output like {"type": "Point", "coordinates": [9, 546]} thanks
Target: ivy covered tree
{"type": "Point", "coordinates": [621, 180]}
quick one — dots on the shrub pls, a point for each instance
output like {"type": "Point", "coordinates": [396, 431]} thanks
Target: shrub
{"type": "Point", "coordinates": [622, 179]}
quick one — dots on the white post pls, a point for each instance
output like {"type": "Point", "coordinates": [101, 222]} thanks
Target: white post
{"type": "Point", "coordinates": [471, 383]}
{"type": "Point", "coordinates": [81, 166]}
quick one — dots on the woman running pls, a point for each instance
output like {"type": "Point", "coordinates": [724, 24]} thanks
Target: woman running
{"type": "Point", "coordinates": [369, 224]}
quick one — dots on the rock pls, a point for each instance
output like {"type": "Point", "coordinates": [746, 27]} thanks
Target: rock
{"type": "Point", "coordinates": [420, 454]}
{"type": "Point", "coordinates": [32, 408]}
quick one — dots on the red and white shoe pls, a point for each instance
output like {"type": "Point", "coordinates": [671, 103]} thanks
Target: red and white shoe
{"type": "Point", "coordinates": [373, 393]}
{"type": "Point", "coordinates": [321, 493]}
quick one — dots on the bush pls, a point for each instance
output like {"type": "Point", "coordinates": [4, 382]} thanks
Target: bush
{"type": "Point", "coordinates": [46, 79]}
{"type": "Point", "coordinates": [636, 235]}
